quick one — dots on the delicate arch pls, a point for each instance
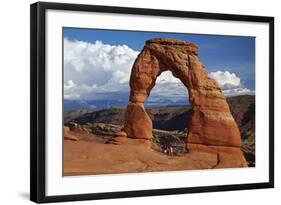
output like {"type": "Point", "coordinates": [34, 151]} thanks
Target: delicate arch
{"type": "Point", "coordinates": [211, 122]}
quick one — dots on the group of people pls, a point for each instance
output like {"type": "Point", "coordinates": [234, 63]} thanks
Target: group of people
{"type": "Point", "coordinates": [168, 150]}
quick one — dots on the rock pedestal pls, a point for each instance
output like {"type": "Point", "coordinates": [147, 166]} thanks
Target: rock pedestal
{"type": "Point", "coordinates": [137, 122]}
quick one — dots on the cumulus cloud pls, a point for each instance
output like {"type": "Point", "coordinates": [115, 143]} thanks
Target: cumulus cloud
{"type": "Point", "coordinates": [169, 89]}
{"type": "Point", "coordinates": [230, 83]}
{"type": "Point", "coordinates": [225, 79]}
{"type": "Point", "coordinates": [91, 68]}
{"type": "Point", "coordinates": [167, 77]}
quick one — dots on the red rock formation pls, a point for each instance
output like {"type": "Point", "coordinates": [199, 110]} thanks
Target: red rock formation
{"type": "Point", "coordinates": [211, 122]}
{"type": "Point", "coordinates": [68, 136]}
{"type": "Point", "coordinates": [77, 128]}
{"type": "Point", "coordinates": [137, 122]}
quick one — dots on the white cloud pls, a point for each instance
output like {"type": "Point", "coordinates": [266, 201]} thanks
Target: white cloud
{"type": "Point", "coordinates": [90, 68]}
{"type": "Point", "coordinates": [69, 85]}
{"type": "Point", "coordinates": [230, 83]}
{"type": "Point", "coordinates": [167, 77]}
{"type": "Point", "coordinates": [225, 79]}
{"type": "Point", "coordinates": [238, 91]}
{"type": "Point", "coordinates": [168, 88]}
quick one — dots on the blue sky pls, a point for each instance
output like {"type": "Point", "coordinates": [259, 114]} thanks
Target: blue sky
{"type": "Point", "coordinates": [233, 56]}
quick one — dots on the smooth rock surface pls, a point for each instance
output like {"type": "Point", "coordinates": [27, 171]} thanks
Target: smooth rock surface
{"type": "Point", "coordinates": [137, 122]}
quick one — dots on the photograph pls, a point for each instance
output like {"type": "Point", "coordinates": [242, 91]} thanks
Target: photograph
{"type": "Point", "coordinates": [142, 101]}
{"type": "Point", "coordinates": [134, 102]}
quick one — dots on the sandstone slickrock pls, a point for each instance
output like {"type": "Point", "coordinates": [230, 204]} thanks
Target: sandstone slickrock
{"type": "Point", "coordinates": [78, 128]}
{"type": "Point", "coordinates": [67, 135]}
{"type": "Point", "coordinates": [211, 122]}
{"type": "Point", "coordinates": [121, 134]}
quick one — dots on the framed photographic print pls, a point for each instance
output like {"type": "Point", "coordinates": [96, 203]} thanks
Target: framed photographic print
{"type": "Point", "coordinates": [129, 102]}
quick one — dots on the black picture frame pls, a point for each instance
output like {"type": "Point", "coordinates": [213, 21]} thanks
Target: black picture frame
{"type": "Point", "coordinates": [38, 103]}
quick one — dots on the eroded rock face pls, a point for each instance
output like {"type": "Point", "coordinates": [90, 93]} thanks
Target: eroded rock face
{"type": "Point", "coordinates": [211, 122]}
{"type": "Point", "coordinates": [137, 122]}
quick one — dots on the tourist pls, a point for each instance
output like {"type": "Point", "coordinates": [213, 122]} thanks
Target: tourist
{"type": "Point", "coordinates": [171, 151]}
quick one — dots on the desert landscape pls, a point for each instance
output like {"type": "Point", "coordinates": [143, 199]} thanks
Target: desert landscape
{"type": "Point", "coordinates": [211, 131]}
{"type": "Point", "coordinates": [92, 130]}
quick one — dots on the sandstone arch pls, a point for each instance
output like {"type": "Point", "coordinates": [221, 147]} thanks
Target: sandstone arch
{"type": "Point", "coordinates": [211, 121]}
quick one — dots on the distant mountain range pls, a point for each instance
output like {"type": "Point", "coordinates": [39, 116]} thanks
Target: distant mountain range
{"type": "Point", "coordinates": [70, 105]}
{"type": "Point", "coordinates": [92, 104]}
{"type": "Point", "coordinates": [164, 116]}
